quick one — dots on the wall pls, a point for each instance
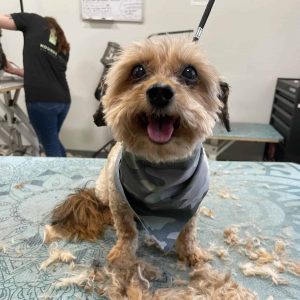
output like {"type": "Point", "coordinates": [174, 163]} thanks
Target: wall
{"type": "Point", "coordinates": [251, 43]}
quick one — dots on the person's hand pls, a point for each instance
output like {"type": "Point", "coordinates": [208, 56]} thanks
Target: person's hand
{"type": "Point", "coordinates": [10, 68]}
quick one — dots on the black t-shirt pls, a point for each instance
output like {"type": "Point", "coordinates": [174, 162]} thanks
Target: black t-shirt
{"type": "Point", "coordinates": [44, 68]}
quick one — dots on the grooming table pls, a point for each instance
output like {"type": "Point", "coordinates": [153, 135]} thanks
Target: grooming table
{"type": "Point", "coordinates": [240, 132]}
{"type": "Point", "coordinates": [14, 122]}
{"type": "Point", "coordinates": [262, 197]}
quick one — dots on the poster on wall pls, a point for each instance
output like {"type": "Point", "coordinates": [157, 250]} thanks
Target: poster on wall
{"type": "Point", "coordinates": [199, 2]}
{"type": "Point", "coordinates": [112, 10]}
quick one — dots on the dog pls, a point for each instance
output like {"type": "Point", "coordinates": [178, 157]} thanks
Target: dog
{"type": "Point", "coordinates": [162, 101]}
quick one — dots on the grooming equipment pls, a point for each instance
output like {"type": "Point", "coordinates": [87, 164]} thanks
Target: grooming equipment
{"type": "Point", "coordinates": [203, 20]}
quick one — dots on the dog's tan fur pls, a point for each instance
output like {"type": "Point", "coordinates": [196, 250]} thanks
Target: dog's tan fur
{"type": "Point", "coordinates": [81, 217]}
{"type": "Point", "coordinates": [197, 107]}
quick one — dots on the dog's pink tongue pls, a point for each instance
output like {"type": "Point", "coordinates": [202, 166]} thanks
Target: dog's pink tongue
{"type": "Point", "coordinates": [160, 130]}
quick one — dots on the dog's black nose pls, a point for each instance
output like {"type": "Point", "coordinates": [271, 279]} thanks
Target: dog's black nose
{"type": "Point", "coordinates": [160, 95]}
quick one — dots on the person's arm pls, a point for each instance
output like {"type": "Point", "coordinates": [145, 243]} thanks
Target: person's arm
{"type": "Point", "coordinates": [7, 22]}
{"type": "Point", "coordinates": [9, 68]}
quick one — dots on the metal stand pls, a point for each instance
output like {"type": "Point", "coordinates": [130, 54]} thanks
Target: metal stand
{"type": "Point", "coordinates": [104, 151]}
{"type": "Point", "coordinates": [215, 147]}
{"type": "Point", "coordinates": [14, 123]}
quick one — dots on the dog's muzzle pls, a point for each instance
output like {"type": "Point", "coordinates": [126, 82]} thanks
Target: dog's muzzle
{"type": "Point", "coordinates": [160, 95]}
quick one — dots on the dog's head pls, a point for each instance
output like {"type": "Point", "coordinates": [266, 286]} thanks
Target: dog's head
{"type": "Point", "coordinates": [162, 98]}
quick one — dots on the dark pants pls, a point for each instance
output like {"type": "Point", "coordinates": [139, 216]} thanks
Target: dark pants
{"type": "Point", "coordinates": [47, 119]}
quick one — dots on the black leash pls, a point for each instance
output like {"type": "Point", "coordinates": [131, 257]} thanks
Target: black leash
{"type": "Point", "coordinates": [203, 20]}
{"type": "Point", "coordinates": [21, 4]}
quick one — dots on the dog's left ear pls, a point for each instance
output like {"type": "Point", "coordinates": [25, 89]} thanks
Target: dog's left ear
{"type": "Point", "coordinates": [224, 115]}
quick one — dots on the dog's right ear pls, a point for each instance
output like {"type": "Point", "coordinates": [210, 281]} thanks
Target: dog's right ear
{"type": "Point", "coordinates": [99, 116]}
{"type": "Point", "coordinates": [224, 115]}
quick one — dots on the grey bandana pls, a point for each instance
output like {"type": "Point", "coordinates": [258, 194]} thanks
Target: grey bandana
{"type": "Point", "coordinates": [163, 196]}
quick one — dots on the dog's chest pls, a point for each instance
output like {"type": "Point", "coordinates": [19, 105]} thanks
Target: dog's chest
{"type": "Point", "coordinates": [165, 196]}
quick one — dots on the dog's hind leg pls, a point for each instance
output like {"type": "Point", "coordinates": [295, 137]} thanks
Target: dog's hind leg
{"type": "Point", "coordinates": [82, 216]}
{"type": "Point", "coordinates": [187, 247]}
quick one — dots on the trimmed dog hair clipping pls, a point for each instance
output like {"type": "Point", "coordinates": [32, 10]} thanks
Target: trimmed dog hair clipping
{"type": "Point", "coordinates": [203, 20]}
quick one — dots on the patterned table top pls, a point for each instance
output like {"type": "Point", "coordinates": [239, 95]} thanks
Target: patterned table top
{"type": "Point", "coordinates": [266, 201]}
{"type": "Point", "coordinates": [251, 132]}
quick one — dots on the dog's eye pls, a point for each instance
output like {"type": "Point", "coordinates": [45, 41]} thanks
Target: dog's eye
{"type": "Point", "coordinates": [189, 74]}
{"type": "Point", "coordinates": [138, 72]}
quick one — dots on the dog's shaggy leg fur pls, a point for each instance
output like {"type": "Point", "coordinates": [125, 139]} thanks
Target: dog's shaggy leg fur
{"type": "Point", "coordinates": [127, 233]}
{"type": "Point", "coordinates": [187, 247]}
{"type": "Point", "coordinates": [80, 217]}
{"type": "Point", "coordinates": [123, 217]}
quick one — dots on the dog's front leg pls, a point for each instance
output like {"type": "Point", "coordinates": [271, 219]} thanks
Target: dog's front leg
{"type": "Point", "coordinates": [187, 246]}
{"type": "Point", "coordinates": [127, 233]}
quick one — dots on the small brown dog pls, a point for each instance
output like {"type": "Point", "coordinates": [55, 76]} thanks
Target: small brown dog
{"type": "Point", "coordinates": [162, 101]}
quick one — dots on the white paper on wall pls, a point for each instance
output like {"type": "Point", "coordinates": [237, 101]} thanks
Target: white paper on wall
{"type": "Point", "coordinates": [199, 2]}
{"type": "Point", "coordinates": [114, 10]}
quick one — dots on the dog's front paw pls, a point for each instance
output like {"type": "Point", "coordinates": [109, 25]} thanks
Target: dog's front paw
{"type": "Point", "coordinates": [121, 252]}
{"type": "Point", "coordinates": [195, 256]}
{"type": "Point", "coordinates": [114, 254]}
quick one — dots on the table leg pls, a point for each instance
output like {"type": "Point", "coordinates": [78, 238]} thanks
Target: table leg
{"type": "Point", "coordinates": [16, 125]}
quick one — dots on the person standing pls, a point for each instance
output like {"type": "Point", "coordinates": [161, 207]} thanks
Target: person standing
{"type": "Point", "coordinates": [45, 57]}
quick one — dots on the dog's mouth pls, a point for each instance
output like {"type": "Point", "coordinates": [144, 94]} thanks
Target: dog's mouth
{"type": "Point", "coordinates": [160, 128]}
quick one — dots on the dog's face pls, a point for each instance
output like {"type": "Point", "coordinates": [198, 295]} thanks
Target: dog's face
{"type": "Point", "coordinates": [162, 98]}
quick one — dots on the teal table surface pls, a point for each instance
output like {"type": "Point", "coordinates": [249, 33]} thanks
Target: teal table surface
{"type": "Point", "coordinates": [262, 198]}
{"type": "Point", "coordinates": [252, 132]}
